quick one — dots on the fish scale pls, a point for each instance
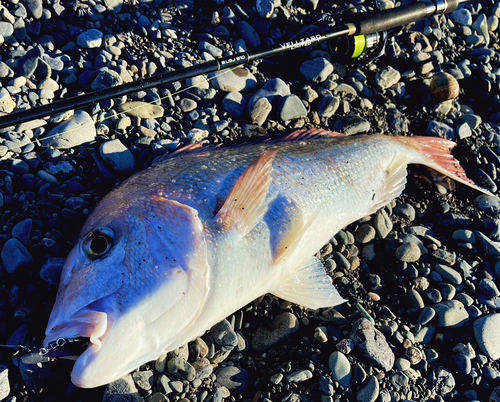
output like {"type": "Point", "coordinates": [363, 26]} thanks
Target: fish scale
{"type": "Point", "coordinates": [194, 238]}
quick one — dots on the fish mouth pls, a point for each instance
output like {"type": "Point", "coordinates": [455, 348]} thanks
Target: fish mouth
{"type": "Point", "coordinates": [86, 327]}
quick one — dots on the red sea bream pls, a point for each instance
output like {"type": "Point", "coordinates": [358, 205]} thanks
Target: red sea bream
{"type": "Point", "coordinates": [178, 247]}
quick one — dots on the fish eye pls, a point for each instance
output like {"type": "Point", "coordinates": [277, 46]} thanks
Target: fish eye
{"type": "Point", "coordinates": [98, 242]}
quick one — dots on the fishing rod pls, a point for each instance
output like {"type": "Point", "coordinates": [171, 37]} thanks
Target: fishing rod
{"type": "Point", "coordinates": [356, 26]}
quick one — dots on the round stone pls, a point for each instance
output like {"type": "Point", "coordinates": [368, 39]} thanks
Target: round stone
{"type": "Point", "coordinates": [408, 252]}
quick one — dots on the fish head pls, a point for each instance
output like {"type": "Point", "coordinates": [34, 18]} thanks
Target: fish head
{"type": "Point", "coordinates": [135, 280]}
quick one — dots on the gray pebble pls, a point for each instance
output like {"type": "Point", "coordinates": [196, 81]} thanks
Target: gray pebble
{"type": "Point", "coordinates": [406, 211]}
{"type": "Point", "coordinates": [248, 34]}
{"type": "Point", "coordinates": [90, 39]}
{"type": "Point", "coordinates": [439, 129]}
{"type": "Point", "coordinates": [140, 109]}
{"type": "Point", "coordinates": [488, 287]}
{"type": "Point", "coordinates": [181, 368]}
{"type": "Point", "coordinates": [415, 299]}
{"type": "Point", "coordinates": [51, 270]}
{"type": "Point", "coordinates": [408, 252]}
{"type": "Point", "coordinates": [461, 16]}
{"type": "Point", "coordinates": [370, 390]}
{"type": "Point", "coordinates": [71, 133]}
{"type": "Point", "coordinates": [316, 70]}
{"type": "Point", "coordinates": [259, 110]}
{"type": "Point", "coordinates": [387, 77]}
{"type": "Point", "coordinates": [35, 7]}
{"type": "Point", "coordinates": [233, 378]}
{"type": "Point", "coordinates": [299, 376]}
{"type": "Point", "coordinates": [352, 124]}
{"type": "Point", "coordinates": [491, 248]}
{"type": "Point", "coordinates": [383, 224]}
{"type": "Point", "coordinates": [426, 315]}
{"type": "Point", "coordinates": [488, 203]}
{"type": "Point", "coordinates": [203, 368]}
{"type": "Point", "coordinates": [328, 106]}
{"type": "Point", "coordinates": [224, 334]}
{"type": "Point", "coordinates": [448, 273]}
{"type": "Point", "coordinates": [463, 363]}
{"type": "Point", "coordinates": [365, 233]}
{"type": "Point", "coordinates": [291, 107]}
{"type": "Point", "coordinates": [208, 47]}
{"type": "Point", "coordinates": [234, 104]}
{"type": "Point", "coordinates": [488, 336]}
{"type": "Point", "coordinates": [399, 380]}
{"type": "Point", "coordinates": [22, 230]}
{"type": "Point", "coordinates": [340, 368]}
{"type": "Point", "coordinates": [284, 325]}
{"type": "Point", "coordinates": [15, 255]}
{"type": "Point", "coordinates": [4, 382]}
{"type": "Point", "coordinates": [451, 314]}
{"type": "Point", "coordinates": [124, 386]}
{"type": "Point", "coordinates": [106, 79]}
{"type": "Point", "coordinates": [143, 379]}
{"type": "Point", "coordinates": [233, 80]}
{"type": "Point", "coordinates": [372, 344]}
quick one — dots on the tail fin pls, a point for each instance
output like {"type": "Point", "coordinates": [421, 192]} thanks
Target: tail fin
{"type": "Point", "coordinates": [436, 154]}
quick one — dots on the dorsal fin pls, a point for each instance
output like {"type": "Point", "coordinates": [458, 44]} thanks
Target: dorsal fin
{"type": "Point", "coordinates": [244, 205]}
{"type": "Point", "coordinates": [310, 134]}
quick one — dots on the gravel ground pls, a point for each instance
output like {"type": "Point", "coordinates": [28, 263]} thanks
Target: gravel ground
{"type": "Point", "coordinates": [420, 275]}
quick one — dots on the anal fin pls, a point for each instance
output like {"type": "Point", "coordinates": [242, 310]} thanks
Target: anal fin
{"type": "Point", "coordinates": [308, 285]}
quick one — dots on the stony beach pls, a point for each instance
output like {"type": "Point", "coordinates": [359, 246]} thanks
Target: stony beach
{"type": "Point", "coordinates": [421, 275]}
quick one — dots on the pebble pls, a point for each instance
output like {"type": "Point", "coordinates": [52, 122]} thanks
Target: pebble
{"type": "Point", "coordinates": [51, 270]}
{"type": "Point", "coordinates": [448, 273]}
{"type": "Point", "coordinates": [143, 379]}
{"type": "Point", "coordinates": [372, 344]}
{"type": "Point", "coordinates": [120, 387]}
{"type": "Point", "coordinates": [90, 39]}
{"type": "Point", "coordinates": [179, 367]}
{"type": "Point", "coordinates": [328, 106]}
{"type": "Point", "coordinates": [106, 79]}
{"type": "Point", "coordinates": [248, 34]}
{"type": "Point", "coordinates": [233, 80]}
{"type": "Point", "coordinates": [439, 129]}
{"type": "Point", "coordinates": [4, 382]}
{"type": "Point", "coordinates": [234, 104]}
{"type": "Point", "coordinates": [352, 124]}
{"type": "Point", "coordinates": [370, 390]}
{"type": "Point", "coordinates": [488, 336]}
{"type": "Point", "coordinates": [299, 376]}
{"type": "Point", "coordinates": [316, 70]}
{"type": "Point", "coordinates": [291, 107]}
{"type": "Point", "coordinates": [365, 233]}
{"type": "Point", "coordinates": [426, 315]}
{"type": "Point", "coordinates": [79, 130]}
{"type": "Point", "coordinates": [408, 252]}
{"type": "Point", "coordinates": [117, 156]}
{"type": "Point", "coordinates": [387, 77]}
{"type": "Point", "coordinates": [224, 334]}
{"type": "Point", "coordinates": [233, 378]}
{"type": "Point", "coordinates": [140, 109]}
{"type": "Point", "coordinates": [487, 203]}
{"type": "Point", "coordinates": [15, 255]}
{"type": "Point", "coordinates": [340, 368]}
{"type": "Point", "coordinates": [284, 325]}
{"type": "Point", "coordinates": [451, 314]}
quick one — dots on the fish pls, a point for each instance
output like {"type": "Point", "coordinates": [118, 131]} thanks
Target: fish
{"type": "Point", "coordinates": [179, 246]}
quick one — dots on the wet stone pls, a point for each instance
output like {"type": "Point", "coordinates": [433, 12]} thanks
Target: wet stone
{"type": "Point", "coordinates": [408, 252]}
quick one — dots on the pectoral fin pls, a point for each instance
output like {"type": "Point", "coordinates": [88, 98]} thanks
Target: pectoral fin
{"type": "Point", "coordinates": [309, 286]}
{"type": "Point", "coordinates": [245, 204]}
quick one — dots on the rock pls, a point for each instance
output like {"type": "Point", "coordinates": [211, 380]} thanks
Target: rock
{"type": "Point", "coordinates": [369, 392]}
{"type": "Point", "coordinates": [71, 133]}
{"type": "Point", "coordinates": [29, 62]}
{"type": "Point", "coordinates": [117, 156]}
{"type": "Point", "coordinates": [372, 344]}
{"type": "Point", "coordinates": [233, 378]}
{"type": "Point", "coordinates": [284, 325]}
{"type": "Point", "coordinates": [203, 368]}
{"type": "Point", "coordinates": [4, 382]}
{"type": "Point", "coordinates": [51, 270]}
{"type": "Point", "coordinates": [15, 255]}
{"type": "Point", "coordinates": [248, 34]}
{"type": "Point", "coordinates": [316, 70]}
{"type": "Point", "coordinates": [234, 104]}
{"type": "Point", "coordinates": [426, 315]}
{"type": "Point", "coordinates": [491, 248]}
{"type": "Point", "coordinates": [224, 334]}
{"type": "Point", "coordinates": [35, 7]}
{"type": "Point", "coordinates": [408, 252]}
{"type": "Point", "coordinates": [439, 129]}
{"type": "Point", "coordinates": [352, 124]}
{"type": "Point", "coordinates": [461, 16]}
{"type": "Point", "coordinates": [90, 39]}
{"type": "Point", "coordinates": [442, 380]}
{"type": "Point", "coordinates": [291, 107]}
{"type": "Point", "coordinates": [488, 336]}
{"type": "Point", "coordinates": [387, 77]}
{"type": "Point", "coordinates": [340, 368]}
{"type": "Point", "coordinates": [144, 110]}
{"type": "Point", "coordinates": [106, 79]}
{"type": "Point", "coordinates": [274, 89]}
{"type": "Point", "coordinates": [143, 379]}
{"type": "Point", "coordinates": [328, 106]}
{"type": "Point", "coordinates": [233, 80]}
{"type": "Point", "coordinates": [22, 231]}
{"type": "Point", "coordinates": [181, 368]}
{"type": "Point", "coordinates": [451, 314]}
{"type": "Point", "coordinates": [122, 390]}
{"type": "Point", "coordinates": [448, 273]}
{"type": "Point", "coordinates": [299, 376]}
{"type": "Point", "coordinates": [259, 111]}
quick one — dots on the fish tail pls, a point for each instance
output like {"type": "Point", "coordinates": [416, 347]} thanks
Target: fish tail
{"type": "Point", "coordinates": [436, 154]}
